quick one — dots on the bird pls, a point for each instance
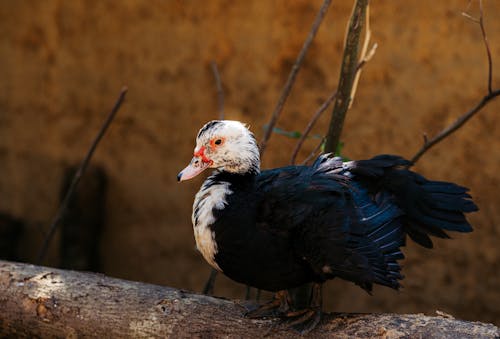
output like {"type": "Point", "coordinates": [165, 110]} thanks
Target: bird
{"type": "Point", "coordinates": [281, 228]}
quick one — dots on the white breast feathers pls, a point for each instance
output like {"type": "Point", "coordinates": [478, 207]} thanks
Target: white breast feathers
{"type": "Point", "coordinates": [211, 195]}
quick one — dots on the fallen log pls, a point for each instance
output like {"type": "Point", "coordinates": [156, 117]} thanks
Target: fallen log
{"type": "Point", "coordinates": [46, 302]}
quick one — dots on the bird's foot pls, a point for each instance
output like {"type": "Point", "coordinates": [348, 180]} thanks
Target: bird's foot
{"type": "Point", "coordinates": [303, 321]}
{"type": "Point", "coordinates": [279, 306]}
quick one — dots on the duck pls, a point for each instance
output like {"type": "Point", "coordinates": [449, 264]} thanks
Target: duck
{"type": "Point", "coordinates": [281, 228]}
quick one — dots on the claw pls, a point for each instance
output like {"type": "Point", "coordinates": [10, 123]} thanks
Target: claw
{"type": "Point", "coordinates": [306, 322]}
{"type": "Point", "coordinates": [303, 321]}
{"type": "Point", "coordinates": [277, 307]}
{"type": "Point", "coordinates": [307, 319]}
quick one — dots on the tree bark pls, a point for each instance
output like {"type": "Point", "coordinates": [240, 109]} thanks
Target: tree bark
{"type": "Point", "coordinates": [46, 302]}
{"type": "Point", "coordinates": [348, 70]}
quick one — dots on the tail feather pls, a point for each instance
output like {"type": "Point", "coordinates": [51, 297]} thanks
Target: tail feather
{"type": "Point", "coordinates": [452, 202]}
{"type": "Point", "coordinates": [430, 207]}
{"type": "Point", "coordinates": [420, 237]}
{"type": "Point", "coordinates": [443, 224]}
{"type": "Point", "coordinates": [442, 187]}
{"type": "Point", "coordinates": [449, 215]}
{"type": "Point", "coordinates": [434, 231]}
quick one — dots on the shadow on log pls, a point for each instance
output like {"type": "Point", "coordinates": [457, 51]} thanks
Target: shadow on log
{"type": "Point", "coordinates": [47, 302]}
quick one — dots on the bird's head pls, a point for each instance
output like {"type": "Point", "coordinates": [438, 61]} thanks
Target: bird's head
{"type": "Point", "coordinates": [225, 145]}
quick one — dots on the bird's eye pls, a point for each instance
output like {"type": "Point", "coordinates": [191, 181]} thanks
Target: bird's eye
{"type": "Point", "coordinates": [216, 142]}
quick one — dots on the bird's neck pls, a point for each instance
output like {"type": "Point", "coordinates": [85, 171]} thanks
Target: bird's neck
{"type": "Point", "coordinates": [241, 167]}
{"type": "Point", "coordinates": [230, 176]}
{"type": "Point", "coordinates": [213, 200]}
{"type": "Point", "coordinates": [213, 196]}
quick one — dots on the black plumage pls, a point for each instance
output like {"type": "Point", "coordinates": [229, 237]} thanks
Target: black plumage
{"type": "Point", "coordinates": [297, 224]}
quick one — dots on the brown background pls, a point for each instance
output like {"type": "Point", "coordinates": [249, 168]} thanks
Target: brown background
{"type": "Point", "coordinates": [64, 62]}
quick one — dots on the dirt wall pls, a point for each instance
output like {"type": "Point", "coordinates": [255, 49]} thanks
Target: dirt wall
{"type": "Point", "coordinates": [64, 62]}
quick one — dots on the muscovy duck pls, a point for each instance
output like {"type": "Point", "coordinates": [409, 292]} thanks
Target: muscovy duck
{"type": "Point", "coordinates": [278, 229]}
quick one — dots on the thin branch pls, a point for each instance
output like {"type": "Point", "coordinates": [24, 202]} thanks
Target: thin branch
{"type": "Point", "coordinates": [314, 152]}
{"type": "Point", "coordinates": [318, 113]}
{"type": "Point", "coordinates": [470, 17]}
{"type": "Point", "coordinates": [365, 56]}
{"type": "Point", "coordinates": [348, 74]}
{"type": "Point", "coordinates": [78, 175]}
{"type": "Point", "coordinates": [480, 22]}
{"type": "Point", "coordinates": [467, 15]}
{"type": "Point", "coordinates": [310, 125]}
{"type": "Point", "coordinates": [293, 74]}
{"type": "Point", "coordinates": [428, 143]}
{"type": "Point", "coordinates": [487, 46]}
{"type": "Point", "coordinates": [220, 90]}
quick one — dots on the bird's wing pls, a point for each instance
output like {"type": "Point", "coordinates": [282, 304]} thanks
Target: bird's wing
{"type": "Point", "coordinates": [288, 196]}
{"type": "Point", "coordinates": [337, 226]}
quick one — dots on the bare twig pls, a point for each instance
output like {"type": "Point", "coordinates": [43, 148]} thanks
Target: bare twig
{"type": "Point", "coordinates": [314, 152]}
{"type": "Point", "coordinates": [293, 74]}
{"type": "Point", "coordinates": [480, 22]}
{"type": "Point", "coordinates": [348, 74]}
{"type": "Point", "coordinates": [487, 46]}
{"type": "Point", "coordinates": [310, 125]}
{"type": "Point", "coordinates": [220, 91]}
{"type": "Point", "coordinates": [428, 143]}
{"type": "Point", "coordinates": [78, 175]}
{"type": "Point", "coordinates": [365, 56]}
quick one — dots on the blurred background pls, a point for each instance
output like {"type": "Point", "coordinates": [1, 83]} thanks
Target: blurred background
{"type": "Point", "coordinates": [63, 63]}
